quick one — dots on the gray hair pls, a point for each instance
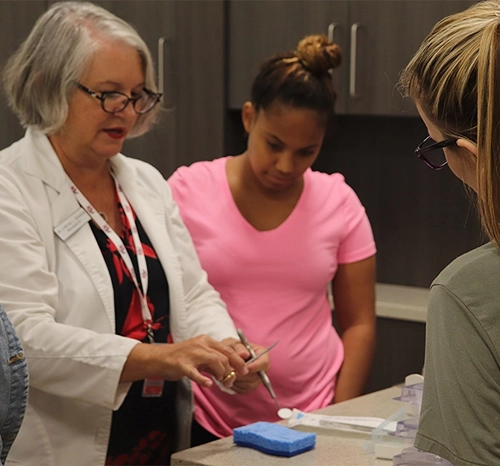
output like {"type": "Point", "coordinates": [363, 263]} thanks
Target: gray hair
{"type": "Point", "coordinates": [39, 78]}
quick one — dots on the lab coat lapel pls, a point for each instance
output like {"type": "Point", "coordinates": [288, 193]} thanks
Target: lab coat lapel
{"type": "Point", "coordinates": [42, 162]}
{"type": "Point", "coordinates": [84, 246]}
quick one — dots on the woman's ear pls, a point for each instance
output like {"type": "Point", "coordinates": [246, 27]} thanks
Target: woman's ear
{"type": "Point", "coordinates": [468, 163]}
{"type": "Point", "coordinates": [247, 115]}
{"type": "Point", "coordinates": [469, 145]}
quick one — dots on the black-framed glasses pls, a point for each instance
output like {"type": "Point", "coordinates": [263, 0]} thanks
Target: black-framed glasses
{"type": "Point", "coordinates": [431, 152]}
{"type": "Point", "coordinates": [114, 102]}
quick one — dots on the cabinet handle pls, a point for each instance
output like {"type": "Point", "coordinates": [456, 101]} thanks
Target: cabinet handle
{"type": "Point", "coordinates": [331, 31]}
{"type": "Point", "coordinates": [161, 73]}
{"type": "Point", "coordinates": [161, 48]}
{"type": "Point", "coordinates": [352, 67]}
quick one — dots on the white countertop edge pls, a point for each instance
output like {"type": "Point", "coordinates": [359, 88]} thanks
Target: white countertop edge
{"type": "Point", "coordinates": [401, 302]}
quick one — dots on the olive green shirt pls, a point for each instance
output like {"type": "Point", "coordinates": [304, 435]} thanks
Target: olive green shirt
{"type": "Point", "coordinates": [460, 414]}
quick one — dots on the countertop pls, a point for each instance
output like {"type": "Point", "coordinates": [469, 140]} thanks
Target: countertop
{"type": "Point", "coordinates": [332, 447]}
{"type": "Point", "coordinates": [401, 302]}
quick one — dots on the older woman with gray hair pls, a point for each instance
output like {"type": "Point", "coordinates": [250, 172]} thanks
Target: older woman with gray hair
{"type": "Point", "coordinates": [99, 274]}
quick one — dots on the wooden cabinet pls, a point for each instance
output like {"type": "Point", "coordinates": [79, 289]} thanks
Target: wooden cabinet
{"type": "Point", "coordinates": [399, 352]}
{"type": "Point", "coordinates": [18, 19]}
{"type": "Point", "coordinates": [154, 20]}
{"type": "Point", "coordinates": [260, 28]}
{"type": "Point", "coordinates": [186, 39]}
{"type": "Point", "coordinates": [377, 38]}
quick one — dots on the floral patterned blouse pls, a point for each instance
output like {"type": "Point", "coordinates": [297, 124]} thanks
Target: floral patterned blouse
{"type": "Point", "coordinates": [143, 429]}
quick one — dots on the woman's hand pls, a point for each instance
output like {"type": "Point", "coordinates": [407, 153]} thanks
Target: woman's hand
{"type": "Point", "coordinates": [191, 358]}
{"type": "Point", "coordinates": [249, 382]}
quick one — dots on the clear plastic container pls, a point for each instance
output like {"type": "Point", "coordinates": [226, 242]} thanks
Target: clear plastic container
{"type": "Point", "coordinates": [412, 393]}
{"type": "Point", "coordinates": [397, 443]}
{"type": "Point", "coordinates": [406, 428]}
{"type": "Point", "coordinates": [412, 396]}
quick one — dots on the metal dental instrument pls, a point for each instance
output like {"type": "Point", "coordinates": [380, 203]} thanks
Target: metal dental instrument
{"type": "Point", "coordinates": [254, 358]}
{"type": "Point", "coordinates": [262, 374]}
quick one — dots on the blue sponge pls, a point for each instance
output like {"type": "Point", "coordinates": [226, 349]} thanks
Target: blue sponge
{"type": "Point", "coordinates": [274, 439]}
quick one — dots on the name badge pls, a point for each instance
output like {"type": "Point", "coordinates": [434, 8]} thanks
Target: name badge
{"type": "Point", "coordinates": [153, 387]}
{"type": "Point", "coordinates": [72, 224]}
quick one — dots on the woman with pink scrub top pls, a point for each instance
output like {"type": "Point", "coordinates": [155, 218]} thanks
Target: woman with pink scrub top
{"type": "Point", "coordinates": [272, 235]}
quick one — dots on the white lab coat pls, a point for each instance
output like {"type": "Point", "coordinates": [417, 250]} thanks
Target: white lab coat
{"type": "Point", "coordinates": [59, 296]}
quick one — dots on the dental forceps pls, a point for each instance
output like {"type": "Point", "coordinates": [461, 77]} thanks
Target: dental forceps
{"type": "Point", "coordinates": [264, 377]}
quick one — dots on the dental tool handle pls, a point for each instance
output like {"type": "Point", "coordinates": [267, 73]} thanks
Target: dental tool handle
{"type": "Point", "coordinates": [244, 340]}
{"type": "Point", "coordinates": [263, 376]}
{"type": "Point", "coordinates": [267, 383]}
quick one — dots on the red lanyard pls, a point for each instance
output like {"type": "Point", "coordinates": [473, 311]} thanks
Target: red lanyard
{"type": "Point", "coordinates": [116, 240]}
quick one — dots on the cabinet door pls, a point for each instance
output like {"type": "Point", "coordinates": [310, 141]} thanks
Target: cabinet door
{"type": "Point", "coordinates": [384, 35]}
{"type": "Point", "coordinates": [258, 29]}
{"type": "Point", "coordinates": [377, 38]}
{"type": "Point", "coordinates": [186, 39]}
{"type": "Point", "coordinates": [155, 22]}
{"type": "Point", "coordinates": [200, 71]}
{"type": "Point", "coordinates": [399, 352]}
{"type": "Point", "coordinates": [18, 19]}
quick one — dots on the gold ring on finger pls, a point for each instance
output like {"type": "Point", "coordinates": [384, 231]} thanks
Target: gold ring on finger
{"type": "Point", "coordinates": [229, 376]}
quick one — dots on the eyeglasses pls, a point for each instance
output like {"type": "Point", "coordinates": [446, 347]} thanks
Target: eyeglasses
{"type": "Point", "coordinates": [431, 152]}
{"type": "Point", "coordinates": [114, 102]}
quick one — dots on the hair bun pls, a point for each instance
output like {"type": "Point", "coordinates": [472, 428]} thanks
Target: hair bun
{"type": "Point", "coordinates": [318, 54]}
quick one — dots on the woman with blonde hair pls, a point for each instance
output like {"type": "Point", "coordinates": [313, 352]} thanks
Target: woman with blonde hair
{"type": "Point", "coordinates": [454, 79]}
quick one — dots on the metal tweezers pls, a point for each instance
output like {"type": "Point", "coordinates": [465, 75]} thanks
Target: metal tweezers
{"type": "Point", "coordinates": [264, 377]}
